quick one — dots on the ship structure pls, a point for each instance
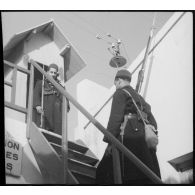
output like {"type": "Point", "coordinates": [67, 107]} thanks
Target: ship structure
{"type": "Point", "coordinates": [34, 155]}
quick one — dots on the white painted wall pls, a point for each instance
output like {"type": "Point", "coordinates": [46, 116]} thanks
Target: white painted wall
{"type": "Point", "coordinates": [30, 173]}
{"type": "Point", "coordinates": [42, 49]}
{"type": "Point", "coordinates": [169, 93]}
{"type": "Point", "coordinates": [91, 96]}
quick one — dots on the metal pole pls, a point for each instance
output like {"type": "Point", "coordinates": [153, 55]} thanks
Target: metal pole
{"type": "Point", "coordinates": [42, 99]}
{"type": "Point", "coordinates": [30, 102]}
{"type": "Point", "coordinates": [99, 110]}
{"type": "Point", "coordinates": [148, 77]}
{"type": "Point", "coordinates": [141, 72]}
{"type": "Point", "coordinates": [116, 165]}
{"type": "Point", "coordinates": [64, 139]}
{"type": "Point", "coordinates": [114, 141]}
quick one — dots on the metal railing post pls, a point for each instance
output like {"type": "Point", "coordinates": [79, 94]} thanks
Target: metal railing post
{"type": "Point", "coordinates": [116, 165]}
{"type": "Point", "coordinates": [30, 102]}
{"type": "Point", "coordinates": [64, 140]}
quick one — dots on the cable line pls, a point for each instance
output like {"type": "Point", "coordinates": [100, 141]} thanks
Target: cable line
{"type": "Point", "coordinates": [91, 24]}
{"type": "Point", "coordinates": [81, 27]}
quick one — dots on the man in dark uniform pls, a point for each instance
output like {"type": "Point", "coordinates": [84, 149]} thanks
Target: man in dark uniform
{"type": "Point", "coordinates": [52, 103]}
{"type": "Point", "coordinates": [134, 135]}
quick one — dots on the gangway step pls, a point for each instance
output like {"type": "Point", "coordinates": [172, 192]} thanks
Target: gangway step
{"type": "Point", "coordinates": [82, 168]}
{"type": "Point", "coordinates": [73, 154]}
{"type": "Point", "coordinates": [83, 179]}
{"type": "Point", "coordinates": [56, 139]}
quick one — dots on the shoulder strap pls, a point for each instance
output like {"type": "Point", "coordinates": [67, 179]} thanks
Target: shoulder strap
{"type": "Point", "coordinates": [135, 105]}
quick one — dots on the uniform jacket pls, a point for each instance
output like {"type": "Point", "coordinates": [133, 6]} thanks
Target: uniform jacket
{"type": "Point", "coordinates": [49, 89]}
{"type": "Point", "coordinates": [134, 140]}
{"type": "Point", "coordinates": [122, 104]}
{"type": "Point", "coordinates": [52, 106]}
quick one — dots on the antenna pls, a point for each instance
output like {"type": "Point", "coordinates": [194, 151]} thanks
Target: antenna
{"type": "Point", "coordinates": [114, 48]}
{"type": "Point", "coordinates": [99, 37]}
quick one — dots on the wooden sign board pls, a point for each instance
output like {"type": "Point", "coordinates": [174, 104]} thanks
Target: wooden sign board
{"type": "Point", "coordinates": [13, 157]}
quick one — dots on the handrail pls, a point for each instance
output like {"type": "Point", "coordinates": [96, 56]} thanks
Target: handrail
{"type": "Point", "coordinates": [30, 102]}
{"type": "Point", "coordinates": [10, 64]}
{"type": "Point", "coordinates": [64, 139]}
{"type": "Point", "coordinates": [113, 140]}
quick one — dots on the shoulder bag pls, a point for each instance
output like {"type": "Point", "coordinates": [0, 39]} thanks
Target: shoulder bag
{"type": "Point", "coordinates": [151, 137]}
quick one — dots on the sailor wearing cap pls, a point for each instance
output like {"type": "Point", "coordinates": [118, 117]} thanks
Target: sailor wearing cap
{"type": "Point", "coordinates": [134, 134]}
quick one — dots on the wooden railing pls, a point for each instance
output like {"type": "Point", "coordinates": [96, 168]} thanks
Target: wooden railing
{"type": "Point", "coordinates": [116, 143]}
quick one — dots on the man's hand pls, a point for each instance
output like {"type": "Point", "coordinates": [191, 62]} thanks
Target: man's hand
{"type": "Point", "coordinates": [62, 83]}
{"type": "Point", "coordinates": [152, 127]}
{"type": "Point", "coordinates": [39, 110]}
{"type": "Point", "coordinates": [108, 150]}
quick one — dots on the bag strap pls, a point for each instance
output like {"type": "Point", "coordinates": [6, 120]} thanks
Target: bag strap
{"type": "Point", "coordinates": [135, 105]}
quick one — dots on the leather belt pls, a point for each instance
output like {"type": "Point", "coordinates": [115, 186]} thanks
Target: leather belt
{"type": "Point", "coordinates": [50, 92]}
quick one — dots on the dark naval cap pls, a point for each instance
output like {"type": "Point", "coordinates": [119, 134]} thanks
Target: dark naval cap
{"type": "Point", "coordinates": [53, 66]}
{"type": "Point", "coordinates": [123, 74]}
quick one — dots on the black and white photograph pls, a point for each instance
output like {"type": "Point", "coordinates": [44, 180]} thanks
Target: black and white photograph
{"type": "Point", "coordinates": [98, 98]}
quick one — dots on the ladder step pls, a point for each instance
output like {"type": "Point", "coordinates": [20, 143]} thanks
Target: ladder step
{"type": "Point", "coordinates": [76, 155]}
{"type": "Point", "coordinates": [77, 147]}
{"type": "Point", "coordinates": [83, 179]}
{"type": "Point", "coordinates": [82, 168]}
{"type": "Point", "coordinates": [57, 140]}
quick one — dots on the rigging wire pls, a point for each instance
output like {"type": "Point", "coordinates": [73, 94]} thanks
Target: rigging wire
{"type": "Point", "coordinates": [98, 28]}
{"type": "Point", "coordinates": [81, 27]}
{"type": "Point", "coordinates": [94, 54]}
{"type": "Point", "coordinates": [92, 33]}
{"type": "Point", "coordinates": [91, 24]}
{"type": "Point", "coordinates": [103, 38]}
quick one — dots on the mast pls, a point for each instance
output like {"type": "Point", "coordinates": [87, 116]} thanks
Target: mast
{"type": "Point", "coordinates": [141, 72]}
